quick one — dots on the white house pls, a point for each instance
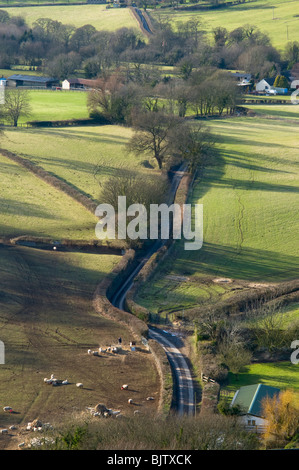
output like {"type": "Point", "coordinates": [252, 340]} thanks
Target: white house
{"type": "Point", "coordinates": [250, 400]}
{"type": "Point", "coordinates": [266, 84]}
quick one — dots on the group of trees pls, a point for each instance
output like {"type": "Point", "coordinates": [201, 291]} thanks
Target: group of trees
{"type": "Point", "coordinates": [61, 49]}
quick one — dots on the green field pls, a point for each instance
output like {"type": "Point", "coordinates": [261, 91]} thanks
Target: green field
{"type": "Point", "coordinates": [250, 218]}
{"type": "Point", "coordinates": [55, 105]}
{"type": "Point", "coordinates": [281, 112]}
{"type": "Point", "coordinates": [82, 156]}
{"type": "Point", "coordinates": [79, 15]}
{"type": "Point", "coordinates": [29, 206]}
{"type": "Point", "coordinates": [283, 375]}
{"type": "Point", "coordinates": [283, 28]}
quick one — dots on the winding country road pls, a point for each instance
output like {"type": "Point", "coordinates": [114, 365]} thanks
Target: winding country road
{"type": "Point", "coordinates": [184, 389]}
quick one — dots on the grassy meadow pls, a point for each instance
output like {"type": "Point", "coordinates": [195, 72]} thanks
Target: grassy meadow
{"type": "Point", "coordinates": [283, 375]}
{"type": "Point", "coordinates": [48, 105]}
{"type": "Point", "coordinates": [82, 156]}
{"type": "Point", "coordinates": [30, 206]}
{"type": "Point", "coordinates": [250, 219]}
{"type": "Point", "coordinates": [278, 18]}
{"type": "Point", "coordinates": [98, 16]}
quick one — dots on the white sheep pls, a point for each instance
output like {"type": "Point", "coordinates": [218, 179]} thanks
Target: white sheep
{"type": "Point", "coordinates": [150, 398]}
{"type": "Point", "coordinates": [130, 401]}
{"type": "Point", "coordinates": [4, 431]}
{"type": "Point", "coordinates": [95, 353]}
{"type": "Point", "coordinates": [89, 351]}
{"type": "Point", "coordinates": [124, 387]}
{"type": "Point", "coordinates": [7, 408]}
{"type": "Point", "coordinates": [22, 444]}
{"type": "Point", "coordinates": [65, 382]}
{"type": "Point", "coordinates": [79, 385]}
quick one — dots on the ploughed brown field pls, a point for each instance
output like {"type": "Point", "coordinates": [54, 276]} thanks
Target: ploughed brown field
{"type": "Point", "coordinates": [47, 323]}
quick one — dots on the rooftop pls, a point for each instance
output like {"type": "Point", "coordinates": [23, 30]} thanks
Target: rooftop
{"type": "Point", "coordinates": [250, 398]}
{"type": "Point", "coordinates": [31, 78]}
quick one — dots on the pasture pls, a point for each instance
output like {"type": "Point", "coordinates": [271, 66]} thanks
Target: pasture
{"type": "Point", "coordinates": [47, 324]}
{"type": "Point", "coordinates": [48, 105]}
{"type": "Point", "coordinates": [82, 156]}
{"type": "Point", "coordinates": [283, 375]}
{"type": "Point", "coordinates": [30, 206]}
{"type": "Point", "coordinates": [79, 15]}
{"type": "Point", "coordinates": [250, 219]}
{"type": "Point", "coordinates": [278, 18]}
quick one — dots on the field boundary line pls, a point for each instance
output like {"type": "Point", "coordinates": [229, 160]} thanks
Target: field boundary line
{"type": "Point", "coordinates": [54, 181]}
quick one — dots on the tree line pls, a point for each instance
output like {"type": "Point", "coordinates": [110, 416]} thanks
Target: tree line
{"type": "Point", "coordinates": [61, 49]}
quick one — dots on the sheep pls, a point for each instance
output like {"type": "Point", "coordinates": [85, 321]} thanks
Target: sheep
{"type": "Point", "coordinates": [7, 408]}
{"type": "Point", "coordinates": [125, 387]}
{"type": "Point", "coordinates": [150, 398]}
{"type": "Point", "coordinates": [22, 444]}
{"type": "Point", "coordinates": [136, 412]}
{"type": "Point", "coordinates": [13, 427]}
{"type": "Point", "coordinates": [79, 385]}
{"type": "Point", "coordinates": [65, 382]}
{"type": "Point", "coordinates": [89, 351]}
{"type": "Point", "coordinates": [130, 401]}
{"type": "Point", "coordinates": [4, 431]}
{"type": "Point", "coordinates": [101, 350]}
{"type": "Point", "coordinates": [95, 353]}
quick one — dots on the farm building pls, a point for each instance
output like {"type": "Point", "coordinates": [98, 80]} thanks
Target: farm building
{"type": "Point", "coordinates": [33, 81]}
{"type": "Point", "coordinates": [78, 83]}
{"type": "Point", "coordinates": [249, 399]}
{"type": "Point", "coordinates": [241, 76]}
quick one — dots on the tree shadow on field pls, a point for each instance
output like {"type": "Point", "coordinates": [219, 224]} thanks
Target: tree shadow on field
{"type": "Point", "coordinates": [243, 264]}
{"type": "Point", "coordinates": [64, 133]}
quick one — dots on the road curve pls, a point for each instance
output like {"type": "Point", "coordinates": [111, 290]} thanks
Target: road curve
{"type": "Point", "coordinates": [184, 389]}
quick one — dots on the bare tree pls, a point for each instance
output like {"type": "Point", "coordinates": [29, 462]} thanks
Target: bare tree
{"type": "Point", "coordinates": [17, 104]}
{"type": "Point", "coordinates": [154, 135]}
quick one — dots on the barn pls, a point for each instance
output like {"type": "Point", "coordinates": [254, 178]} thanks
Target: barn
{"type": "Point", "coordinates": [31, 81]}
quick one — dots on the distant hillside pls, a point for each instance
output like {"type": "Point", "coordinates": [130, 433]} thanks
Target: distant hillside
{"type": "Point", "coordinates": [278, 18]}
